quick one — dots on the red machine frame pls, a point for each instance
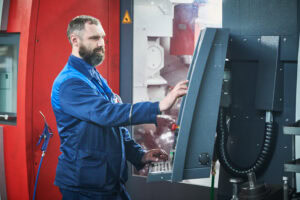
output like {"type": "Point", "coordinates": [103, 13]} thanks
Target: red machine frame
{"type": "Point", "coordinates": [31, 19]}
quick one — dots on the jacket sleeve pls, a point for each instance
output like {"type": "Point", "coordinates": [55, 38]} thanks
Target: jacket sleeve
{"type": "Point", "coordinates": [78, 99]}
{"type": "Point", "coordinates": [134, 152]}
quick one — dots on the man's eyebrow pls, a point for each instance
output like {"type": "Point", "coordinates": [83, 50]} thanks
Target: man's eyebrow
{"type": "Point", "coordinates": [94, 37]}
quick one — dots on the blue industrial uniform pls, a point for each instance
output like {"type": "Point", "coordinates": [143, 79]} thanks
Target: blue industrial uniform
{"type": "Point", "coordinates": [94, 144]}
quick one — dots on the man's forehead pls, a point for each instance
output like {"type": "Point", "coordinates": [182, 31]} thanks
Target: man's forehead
{"type": "Point", "coordinates": [94, 29]}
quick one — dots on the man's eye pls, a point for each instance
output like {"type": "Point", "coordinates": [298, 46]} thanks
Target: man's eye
{"type": "Point", "coordinates": [95, 38]}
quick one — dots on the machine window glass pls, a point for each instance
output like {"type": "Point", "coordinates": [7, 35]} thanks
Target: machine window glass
{"type": "Point", "coordinates": [165, 35]}
{"type": "Point", "coordinates": [9, 50]}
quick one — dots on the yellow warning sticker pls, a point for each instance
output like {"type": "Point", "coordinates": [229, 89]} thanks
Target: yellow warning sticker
{"type": "Point", "coordinates": [126, 18]}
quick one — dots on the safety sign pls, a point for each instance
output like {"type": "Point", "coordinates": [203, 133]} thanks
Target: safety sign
{"type": "Point", "coordinates": [126, 18]}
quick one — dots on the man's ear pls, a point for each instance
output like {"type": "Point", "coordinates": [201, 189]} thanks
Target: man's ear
{"type": "Point", "coordinates": [74, 40]}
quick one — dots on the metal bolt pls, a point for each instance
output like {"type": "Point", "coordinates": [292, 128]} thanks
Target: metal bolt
{"type": "Point", "coordinates": [284, 39]}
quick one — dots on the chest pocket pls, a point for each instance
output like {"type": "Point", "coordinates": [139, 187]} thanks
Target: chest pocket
{"type": "Point", "coordinates": [99, 88]}
{"type": "Point", "coordinates": [92, 83]}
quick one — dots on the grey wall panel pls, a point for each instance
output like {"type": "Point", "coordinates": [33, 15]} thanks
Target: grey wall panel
{"type": "Point", "coordinates": [230, 16]}
{"type": "Point", "coordinates": [260, 17]}
{"type": "Point", "coordinates": [289, 47]}
{"type": "Point", "coordinates": [246, 125]}
{"type": "Point", "coordinates": [269, 76]}
{"type": "Point", "coordinates": [247, 48]}
{"type": "Point", "coordinates": [243, 47]}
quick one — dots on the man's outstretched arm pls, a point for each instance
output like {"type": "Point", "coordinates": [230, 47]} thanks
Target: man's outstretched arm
{"type": "Point", "coordinates": [78, 99]}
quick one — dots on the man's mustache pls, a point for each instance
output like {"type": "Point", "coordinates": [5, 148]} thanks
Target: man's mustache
{"type": "Point", "coordinates": [99, 49]}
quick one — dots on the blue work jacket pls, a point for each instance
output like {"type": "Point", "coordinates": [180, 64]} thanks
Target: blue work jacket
{"type": "Point", "coordinates": [94, 144]}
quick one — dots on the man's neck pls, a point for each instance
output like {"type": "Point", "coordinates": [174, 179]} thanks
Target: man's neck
{"type": "Point", "coordinates": [76, 53]}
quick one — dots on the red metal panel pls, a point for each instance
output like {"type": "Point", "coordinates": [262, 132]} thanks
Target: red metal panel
{"type": "Point", "coordinates": [51, 53]}
{"type": "Point", "coordinates": [114, 44]}
{"type": "Point", "coordinates": [17, 139]}
{"type": "Point", "coordinates": [43, 51]}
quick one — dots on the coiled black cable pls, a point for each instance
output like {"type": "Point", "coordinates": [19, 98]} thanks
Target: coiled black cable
{"type": "Point", "coordinates": [263, 158]}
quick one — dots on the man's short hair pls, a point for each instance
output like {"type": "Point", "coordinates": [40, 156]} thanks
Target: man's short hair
{"type": "Point", "coordinates": [77, 24]}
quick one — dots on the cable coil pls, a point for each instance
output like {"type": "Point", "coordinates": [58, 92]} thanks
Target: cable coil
{"type": "Point", "coordinates": [263, 158]}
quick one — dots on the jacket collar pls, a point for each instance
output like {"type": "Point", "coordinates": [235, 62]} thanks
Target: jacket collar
{"type": "Point", "coordinates": [81, 66]}
{"type": "Point", "coordinates": [92, 74]}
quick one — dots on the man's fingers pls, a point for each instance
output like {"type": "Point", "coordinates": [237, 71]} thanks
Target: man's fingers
{"type": "Point", "coordinates": [154, 155]}
{"type": "Point", "coordinates": [181, 87]}
{"type": "Point", "coordinates": [183, 82]}
{"type": "Point", "coordinates": [158, 155]}
{"type": "Point", "coordinates": [163, 157]}
{"type": "Point", "coordinates": [158, 152]}
{"type": "Point", "coordinates": [154, 159]}
{"type": "Point", "coordinates": [181, 92]}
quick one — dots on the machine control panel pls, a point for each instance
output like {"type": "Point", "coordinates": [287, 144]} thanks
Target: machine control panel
{"type": "Point", "coordinates": [194, 132]}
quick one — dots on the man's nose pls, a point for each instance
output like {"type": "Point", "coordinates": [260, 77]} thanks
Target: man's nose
{"type": "Point", "coordinates": [101, 43]}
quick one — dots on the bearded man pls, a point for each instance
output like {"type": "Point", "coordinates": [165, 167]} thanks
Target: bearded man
{"type": "Point", "coordinates": [94, 144]}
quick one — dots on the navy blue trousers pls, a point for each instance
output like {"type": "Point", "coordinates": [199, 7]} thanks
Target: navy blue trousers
{"type": "Point", "coordinates": [76, 195]}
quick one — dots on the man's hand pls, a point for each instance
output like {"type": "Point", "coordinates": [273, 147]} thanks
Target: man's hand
{"type": "Point", "coordinates": [179, 90]}
{"type": "Point", "coordinates": [155, 155]}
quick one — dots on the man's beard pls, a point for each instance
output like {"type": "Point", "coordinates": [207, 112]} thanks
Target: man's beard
{"type": "Point", "coordinates": [92, 57]}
